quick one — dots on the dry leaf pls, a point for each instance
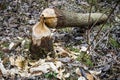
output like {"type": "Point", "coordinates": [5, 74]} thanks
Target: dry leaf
{"type": "Point", "coordinates": [36, 63]}
{"type": "Point", "coordinates": [45, 67]}
{"type": "Point", "coordinates": [36, 73]}
{"type": "Point", "coordinates": [2, 68]}
{"type": "Point", "coordinates": [0, 73]}
{"type": "Point", "coordinates": [95, 72]}
{"type": "Point", "coordinates": [23, 43]}
{"type": "Point", "coordinates": [78, 71]}
{"type": "Point", "coordinates": [11, 45]}
{"type": "Point", "coordinates": [65, 60]}
{"type": "Point", "coordinates": [24, 74]}
{"type": "Point", "coordinates": [20, 38]}
{"type": "Point", "coordinates": [13, 71]}
{"type": "Point", "coordinates": [52, 66]}
{"type": "Point", "coordinates": [67, 75]}
{"type": "Point", "coordinates": [83, 48]}
{"type": "Point", "coordinates": [21, 62]}
{"type": "Point", "coordinates": [60, 74]}
{"type": "Point", "coordinates": [83, 73]}
{"type": "Point", "coordinates": [61, 52]}
{"type": "Point", "coordinates": [12, 60]}
{"type": "Point", "coordinates": [81, 78]}
{"type": "Point", "coordinates": [58, 64]}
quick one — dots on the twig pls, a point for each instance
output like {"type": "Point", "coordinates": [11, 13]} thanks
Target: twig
{"type": "Point", "coordinates": [97, 21]}
{"type": "Point", "coordinates": [108, 35]}
{"type": "Point", "coordinates": [88, 31]}
{"type": "Point", "coordinates": [105, 21]}
{"type": "Point", "coordinates": [103, 24]}
{"type": "Point", "coordinates": [103, 37]}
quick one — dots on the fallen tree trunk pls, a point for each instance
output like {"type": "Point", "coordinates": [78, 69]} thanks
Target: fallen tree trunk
{"type": "Point", "coordinates": [55, 18]}
{"type": "Point", "coordinates": [41, 43]}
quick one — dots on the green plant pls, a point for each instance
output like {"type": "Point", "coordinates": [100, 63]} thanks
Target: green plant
{"type": "Point", "coordinates": [67, 29]}
{"type": "Point", "coordinates": [5, 44]}
{"type": "Point", "coordinates": [51, 75]}
{"type": "Point", "coordinates": [85, 58]}
{"type": "Point", "coordinates": [1, 54]}
{"type": "Point", "coordinates": [114, 43]}
{"type": "Point", "coordinates": [27, 44]}
{"type": "Point", "coordinates": [71, 48]}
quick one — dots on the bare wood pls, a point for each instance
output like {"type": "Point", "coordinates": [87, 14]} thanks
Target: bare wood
{"type": "Point", "coordinates": [41, 43]}
{"type": "Point", "coordinates": [55, 18]}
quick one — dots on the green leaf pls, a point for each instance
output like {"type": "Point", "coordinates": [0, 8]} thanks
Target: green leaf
{"type": "Point", "coordinates": [51, 75]}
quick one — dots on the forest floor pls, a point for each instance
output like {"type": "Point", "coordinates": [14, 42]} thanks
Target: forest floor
{"type": "Point", "coordinates": [73, 61]}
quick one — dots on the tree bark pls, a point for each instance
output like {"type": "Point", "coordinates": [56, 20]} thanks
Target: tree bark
{"type": "Point", "coordinates": [41, 44]}
{"type": "Point", "coordinates": [55, 18]}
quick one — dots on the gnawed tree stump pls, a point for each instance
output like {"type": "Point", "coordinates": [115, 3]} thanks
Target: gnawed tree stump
{"type": "Point", "coordinates": [42, 44]}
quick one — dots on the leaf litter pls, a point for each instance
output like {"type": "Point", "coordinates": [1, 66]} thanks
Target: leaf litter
{"type": "Point", "coordinates": [15, 32]}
